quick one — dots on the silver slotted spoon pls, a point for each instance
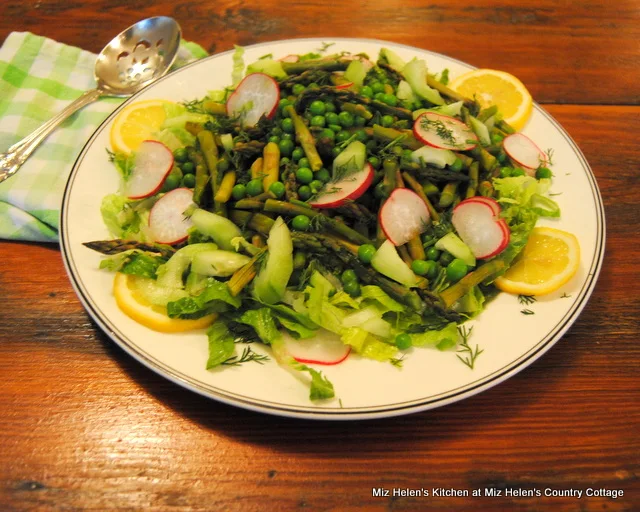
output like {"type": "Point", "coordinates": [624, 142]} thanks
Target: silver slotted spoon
{"type": "Point", "coordinates": [132, 60]}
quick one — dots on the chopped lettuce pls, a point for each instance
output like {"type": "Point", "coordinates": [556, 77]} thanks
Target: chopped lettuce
{"type": "Point", "coordinates": [263, 323]}
{"type": "Point", "coordinates": [269, 67]}
{"type": "Point", "coordinates": [124, 218]}
{"type": "Point", "coordinates": [221, 344]}
{"type": "Point", "coordinates": [134, 262]}
{"type": "Point", "coordinates": [238, 64]}
{"type": "Point", "coordinates": [215, 297]}
{"type": "Point", "coordinates": [444, 338]}
{"type": "Point", "coordinates": [321, 388]}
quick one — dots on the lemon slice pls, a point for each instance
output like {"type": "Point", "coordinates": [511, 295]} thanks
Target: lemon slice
{"type": "Point", "coordinates": [136, 123]}
{"type": "Point", "coordinates": [550, 258]}
{"type": "Point", "coordinates": [151, 316]}
{"type": "Point", "coordinates": [491, 87]}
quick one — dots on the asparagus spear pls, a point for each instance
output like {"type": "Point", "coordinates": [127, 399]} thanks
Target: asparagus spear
{"type": "Point", "coordinates": [479, 275]}
{"type": "Point", "coordinates": [418, 189]}
{"type": "Point", "coordinates": [473, 180]}
{"type": "Point", "coordinates": [433, 173]}
{"type": "Point", "coordinates": [291, 210]}
{"type": "Point", "coordinates": [119, 245]}
{"type": "Point", "coordinates": [330, 63]}
{"type": "Point", "coordinates": [306, 140]}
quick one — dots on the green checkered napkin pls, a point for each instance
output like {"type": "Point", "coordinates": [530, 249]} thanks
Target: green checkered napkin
{"type": "Point", "coordinates": [38, 78]}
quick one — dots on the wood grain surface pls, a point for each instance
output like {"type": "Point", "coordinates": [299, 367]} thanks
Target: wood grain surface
{"type": "Point", "coordinates": [85, 427]}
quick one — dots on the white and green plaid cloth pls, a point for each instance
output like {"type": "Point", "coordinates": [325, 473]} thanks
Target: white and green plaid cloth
{"type": "Point", "coordinates": [38, 78]}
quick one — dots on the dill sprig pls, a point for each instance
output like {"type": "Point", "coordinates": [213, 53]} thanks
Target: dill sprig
{"type": "Point", "coordinates": [527, 311]}
{"type": "Point", "coordinates": [398, 361]}
{"type": "Point", "coordinates": [526, 299]}
{"type": "Point", "coordinates": [247, 356]}
{"type": "Point", "coordinates": [471, 353]}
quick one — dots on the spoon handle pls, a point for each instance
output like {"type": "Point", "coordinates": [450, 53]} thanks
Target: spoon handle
{"type": "Point", "coordinates": [17, 154]}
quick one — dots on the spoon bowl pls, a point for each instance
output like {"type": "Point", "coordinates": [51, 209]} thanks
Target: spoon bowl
{"type": "Point", "coordinates": [132, 60]}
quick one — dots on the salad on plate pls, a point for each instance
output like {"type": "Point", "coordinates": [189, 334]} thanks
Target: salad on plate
{"type": "Point", "coordinates": [325, 207]}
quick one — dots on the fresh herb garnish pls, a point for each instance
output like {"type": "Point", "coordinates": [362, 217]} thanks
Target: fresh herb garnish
{"type": "Point", "coordinates": [247, 356]}
{"type": "Point", "coordinates": [527, 311]}
{"type": "Point", "coordinates": [464, 347]}
{"type": "Point", "coordinates": [526, 299]}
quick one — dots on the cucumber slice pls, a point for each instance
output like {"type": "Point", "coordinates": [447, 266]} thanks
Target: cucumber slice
{"type": "Point", "coordinates": [387, 261]}
{"type": "Point", "coordinates": [392, 58]}
{"type": "Point", "coordinates": [219, 228]}
{"type": "Point", "coordinates": [356, 72]}
{"type": "Point", "coordinates": [415, 72]}
{"type": "Point", "coordinates": [455, 246]}
{"type": "Point", "coordinates": [149, 290]}
{"type": "Point", "coordinates": [481, 130]}
{"type": "Point", "coordinates": [434, 156]}
{"type": "Point", "coordinates": [218, 263]}
{"type": "Point", "coordinates": [351, 159]}
{"type": "Point", "coordinates": [271, 282]}
{"type": "Point", "coordinates": [170, 274]}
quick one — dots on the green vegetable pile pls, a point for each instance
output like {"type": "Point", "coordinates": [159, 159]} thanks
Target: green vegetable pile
{"type": "Point", "coordinates": [269, 263]}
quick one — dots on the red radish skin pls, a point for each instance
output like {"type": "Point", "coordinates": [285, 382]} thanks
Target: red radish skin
{"type": "Point", "coordinates": [489, 201]}
{"type": "Point", "coordinates": [346, 85]}
{"type": "Point", "coordinates": [327, 350]}
{"type": "Point", "coordinates": [167, 220]}
{"type": "Point", "coordinates": [153, 163]}
{"type": "Point", "coordinates": [257, 95]}
{"type": "Point", "coordinates": [403, 216]}
{"type": "Point", "coordinates": [479, 226]}
{"type": "Point", "coordinates": [444, 132]}
{"type": "Point", "coordinates": [335, 194]}
{"type": "Point", "coordinates": [524, 152]}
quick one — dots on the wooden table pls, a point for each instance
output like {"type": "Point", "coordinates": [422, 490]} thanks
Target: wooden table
{"type": "Point", "coordinates": [85, 427]}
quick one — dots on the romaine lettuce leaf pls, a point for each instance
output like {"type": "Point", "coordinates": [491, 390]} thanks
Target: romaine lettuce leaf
{"type": "Point", "coordinates": [263, 323]}
{"type": "Point", "coordinates": [444, 338]}
{"type": "Point", "coordinates": [321, 388]}
{"type": "Point", "coordinates": [133, 262]}
{"type": "Point", "coordinates": [215, 297]}
{"type": "Point", "coordinates": [123, 217]}
{"type": "Point", "coordinates": [221, 344]}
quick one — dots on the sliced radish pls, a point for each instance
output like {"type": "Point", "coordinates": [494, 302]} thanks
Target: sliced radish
{"type": "Point", "coordinates": [168, 222]}
{"type": "Point", "coordinates": [403, 216]}
{"type": "Point", "coordinates": [480, 228]}
{"type": "Point", "coordinates": [489, 201]}
{"type": "Point", "coordinates": [349, 188]}
{"type": "Point", "coordinates": [256, 96]}
{"type": "Point", "coordinates": [326, 350]}
{"type": "Point", "coordinates": [523, 151]}
{"type": "Point", "coordinates": [444, 132]}
{"type": "Point", "coordinates": [290, 58]}
{"type": "Point", "coordinates": [346, 85]}
{"type": "Point", "coordinates": [152, 164]}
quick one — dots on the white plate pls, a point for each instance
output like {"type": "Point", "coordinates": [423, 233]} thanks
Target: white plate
{"type": "Point", "coordinates": [364, 389]}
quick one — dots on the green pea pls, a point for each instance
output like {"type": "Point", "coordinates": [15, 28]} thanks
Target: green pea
{"type": "Point", "coordinates": [372, 145]}
{"type": "Point", "coordinates": [361, 135]}
{"type": "Point", "coordinates": [378, 96]}
{"type": "Point", "coordinates": [331, 118]}
{"type": "Point", "coordinates": [298, 89]}
{"type": "Point", "coordinates": [420, 267]}
{"type": "Point", "coordinates": [336, 128]}
{"type": "Point", "coordinates": [313, 85]}
{"type": "Point", "coordinates": [406, 154]}
{"type": "Point", "coordinates": [348, 275]}
{"type": "Point", "coordinates": [374, 161]}
{"type": "Point", "coordinates": [304, 175]}
{"type": "Point", "coordinates": [329, 106]}
{"type": "Point", "coordinates": [284, 102]}
{"type": "Point", "coordinates": [323, 175]}
{"type": "Point", "coordinates": [445, 258]}
{"type": "Point", "coordinates": [277, 189]}
{"type": "Point", "coordinates": [317, 108]}
{"type": "Point", "coordinates": [274, 138]}
{"type": "Point", "coordinates": [276, 130]}
{"type": "Point", "coordinates": [359, 121]}
{"type": "Point", "coordinates": [318, 121]}
{"type": "Point", "coordinates": [502, 157]}
{"type": "Point", "coordinates": [456, 270]}
{"type": "Point", "coordinates": [189, 181]}
{"type": "Point", "coordinates": [287, 136]}
{"type": "Point", "coordinates": [366, 253]}
{"type": "Point", "coordinates": [433, 254]}
{"type": "Point", "coordinates": [239, 191]}
{"type": "Point", "coordinates": [386, 121]}
{"type": "Point", "coordinates": [352, 288]}
{"type": "Point", "coordinates": [172, 181]}
{"type": "Point", "coordinates": [287, 125]}
{"type": "Point", "coordinates": [341, 136]}
{"type": "Point", "coordinates": [366, 91]}
{"type": "Point", "coordinates": [432, 269]}
{"type": "Point", "coordinates": [327, 133]}
{"type": "Point", "coordinates": [381, 191]}
{"type": "Point", "coordinates": [316, 185]}
{"type": "Point", "coordinates": [518, 172]}
{"type": "Point", "coordinates": [297, 154]}
{"type": "Point", "coordinates": [403, 341]}
{"type": "Point", "coordinates": [255, 187]}
{"type": "Point", "coordinates": [286, 147]}
{"type": "Point", "coordinates": [301, 223]}
{"type": "Point", "coordinates": [284, 161]}
{"type": "Point", "coordinates": [506, 172]}
{"type": "Point", "coordinates": [304, 192]}
{"type": "Point", "coordinates": [346, 119]}
{"type": "Point", "coordinates": [299, 259]}
{"type": "Point", "coordinates": [543, 173]}
{"type": "Point", "coordinates": [188, 168]}
{"type": "Point", "coordinates": [377, 87]}
{"type": "Point", "coordinates": [456, 165]}
{"type": "Point", "coordinates": [496, 138]}
{"type": "Point", "coordinates": [304, 162]}
{"type": "Point", "coordinates": [390, 100]}
{"type": "Point", "coordinates": [180, 155]}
